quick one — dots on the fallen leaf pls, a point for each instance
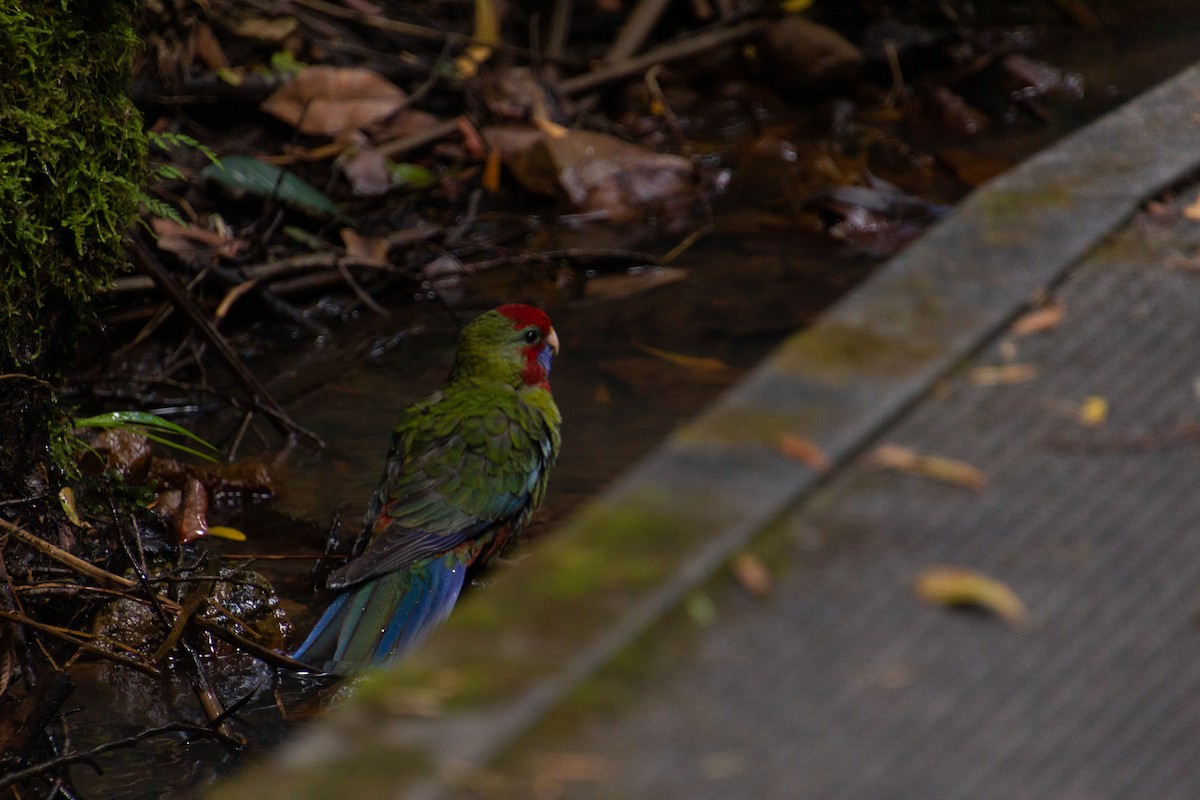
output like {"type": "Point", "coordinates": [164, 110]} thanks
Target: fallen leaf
{"type": "Point", "coordinates": [225, 532]}
{"type": "Point", "coordinates": [1093, 411]}
{"type": "Point", "coordinates": [618, 286]}
{"type": "Point", "coordinates": [491, 171]}
{"type": "Point", "coordinates": [804, 450]}
{"type": "Point", "coordinates": [700, 364]}
{"type": "Point", "coordinates": [1039, 319]}
{"type": "Point", "coordinates": [191, 517]}
{"type": "Point", "coordinates": [333, 101]}
{"type": "Point", "coordinates": [245, 175]}
{"type": "Point", "coordinates": [372, 249]}
{"type": "Point", "coordinates": [367, 171]}
{"type": "Point", "coordinates": [186, 239]}
{"type": "Point", "coordinates": [552, 771]}
{"type": "Point", "coordinates": [752, 575]}
{"type": "Point", "coordinates": [1002, 374]}
{"type": "Point", "coordinates": [598, 172]}
{"type": "Point", "coordinates": [272, 30]}
{"type": "Point", "coordinates": [957, 586]}
{"type": "Point", "coordinates": [66, 499]}
{"type": "Point", "coordinates": [208, 48]}
{"type": "Point", "coordinates": [1193, 210]}
{"type": "Point", "coordinates": [903, 459]}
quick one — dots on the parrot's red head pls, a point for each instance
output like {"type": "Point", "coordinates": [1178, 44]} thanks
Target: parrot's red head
{"type": "Point", "coordinates": [513, 344]}
{"type": "Point", "coordinates": [541, 342]}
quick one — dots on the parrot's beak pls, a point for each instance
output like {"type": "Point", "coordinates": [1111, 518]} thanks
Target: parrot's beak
{"type": "Point", "coordinates": [552, 341]}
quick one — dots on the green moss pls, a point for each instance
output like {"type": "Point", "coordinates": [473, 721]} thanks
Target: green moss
{"type": "Point", "coordinates": [71, 163]}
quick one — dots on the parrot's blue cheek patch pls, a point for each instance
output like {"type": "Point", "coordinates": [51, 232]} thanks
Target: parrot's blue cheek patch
{"type": "Point", "coordinates": [544, 359]}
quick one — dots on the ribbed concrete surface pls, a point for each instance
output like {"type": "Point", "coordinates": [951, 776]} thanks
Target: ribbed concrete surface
{"type": "Point", "coordinates": [842, 684]}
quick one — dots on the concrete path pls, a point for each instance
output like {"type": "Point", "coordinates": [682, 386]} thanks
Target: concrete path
{"type": "Point", "coordinates": [840, 683]}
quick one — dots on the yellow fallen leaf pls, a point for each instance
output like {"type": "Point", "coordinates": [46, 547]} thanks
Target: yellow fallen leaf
{"type": "Point", "coordinates": [66, 498]}
{"type": "Point", "coordinates": [958, 586]}
{"type": "Point", "coordinates": [752, 575]}
{"type": "Point", "coordinates": [702, 364]}
{"type": "Point", "coordinates": [806, 451]}
{"type": "Point", "coordinates": [1093, 411]}
{"type": "Point", "coordinates": [947, 470]}
{"type": "Point", "coordinates": [1002, 374]}
{"type": "Point", "coordinates": [1039, 319]}
{"type": "Point", "coordinates": [222, 532]}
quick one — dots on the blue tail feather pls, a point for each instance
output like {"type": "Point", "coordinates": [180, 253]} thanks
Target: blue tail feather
{"type": "Point", "coordinates": [377, 621]}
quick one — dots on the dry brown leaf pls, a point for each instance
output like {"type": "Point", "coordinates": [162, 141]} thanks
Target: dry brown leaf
{"type": "Point", "coordinates": [947, 470]}
{"type": "Point", "coordinates": [1193, 210]}
{"type": "Point", "coordinates": [752, 575]}
{"type": "Point", "coordinates": [598, 172]}
{"type": "Point", "coordinates": [367, 171]}
{"type": "Point", "coordinates": [698, 364]}
{"type": "Point", "coordinates": [208, 48]}
{"type": "Point", "coordinates": [1002, 374]}
{"type": "Point", "coordinates": [619, 285]}
{"type": "Point", "coordinates": [1039, 320]}
{"type": "Point", "coordinates": [187, 239]}
{"type": "Point", "coordinates": [957, 586]}
{"type": "Point", "coordinates": [372, 249]}
{"type": "Point", "coordinates": [265, 29]}
{"type": "Point", "coordinates": [804, 450]}
{"type": "Point", "coordinates": [333, 101]}
{"type": "Point", "coordinates": [552, 771]}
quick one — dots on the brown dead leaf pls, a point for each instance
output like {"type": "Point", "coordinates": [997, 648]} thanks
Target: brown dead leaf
{"type": "Point", "coordinates": [188, 239]}
{"type": "Point", "coordinates": [598, 172]}
{"type": "Point", "coordinates": [333, 101]}
{"type": "Point", "coordinates": [272, 30]}
{"type": "Point", "coordinates": [697, 364]}
{"type": "Point", "coordinates": [618, 286]}
{"type": "Point", "coordinates": [1041, 319]}
{"type": "Point", "coordinates": [804, 450]}
{"type": "Point", "coordinates": [367, 171]}
{"type": "Point", "coordinates": [1002, 374]}
{"type": "Point", "coordinates": [191, 517]}
{"type": "Point", "coordinates": [372, 249]}
{"type": "Point", "coordinates": [752, 575]}
{"type": "Point", "coordinates": [903, 459]}
{"type": "Point", "coordinates": [208, 48]}
{"type": "Point", "coordinates": [552, 771]}
{"type": "Point", "coordinates": [1193, 210]}
{"type": "Point", "coordinates": [957, 586]}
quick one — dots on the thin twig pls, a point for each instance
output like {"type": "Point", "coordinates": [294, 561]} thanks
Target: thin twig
{"type": "Point", "coordinates": [258, 393]}
{"type": "Point", "coordinates": [70, 637]}
{"type": "Point", "coordinates": [88, 756]}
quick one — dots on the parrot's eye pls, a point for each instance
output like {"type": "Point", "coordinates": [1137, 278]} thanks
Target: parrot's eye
{"type": "Point", "coordinates": [532, 335]}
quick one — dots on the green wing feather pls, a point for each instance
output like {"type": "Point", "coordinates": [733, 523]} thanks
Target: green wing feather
{"type": "Point", "coordinates": [465, 463]}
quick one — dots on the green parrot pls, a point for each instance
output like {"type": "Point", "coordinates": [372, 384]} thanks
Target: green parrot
{"type": "Point", "coordinates": [467, 467]}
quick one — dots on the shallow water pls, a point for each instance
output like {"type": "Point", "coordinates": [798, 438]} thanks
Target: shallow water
{"type": "Point", "coordinates": [747, 285]}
